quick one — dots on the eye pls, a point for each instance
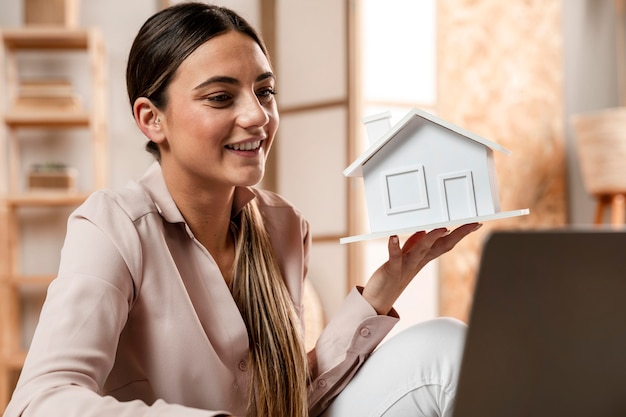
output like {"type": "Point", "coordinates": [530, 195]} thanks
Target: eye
{"type": "Point", "coordinates": [219, 99]}
{"type": "Point", "coordinates": [266, 94]}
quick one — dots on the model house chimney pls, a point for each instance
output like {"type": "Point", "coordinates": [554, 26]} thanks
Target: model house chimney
{"type": "Point", "coordinates": [377, 126]}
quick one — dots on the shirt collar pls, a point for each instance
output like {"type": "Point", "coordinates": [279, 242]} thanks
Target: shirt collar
{"type": "Point", "coordinates": [154, 184]}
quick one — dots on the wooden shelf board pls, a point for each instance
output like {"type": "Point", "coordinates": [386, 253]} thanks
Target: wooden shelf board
{"type": "Point", "coordinates": [47, 118]}
{"type": "Point", "coordinates": [43, 199]}
{"type": "Point", "coordinates": [45, 38]}
{"type": "Point", "coordinates": [37, 280]}
{"type": "Point", "coordinates": [15, 361]}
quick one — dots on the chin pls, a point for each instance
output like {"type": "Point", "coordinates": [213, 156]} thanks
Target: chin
{"type": "Point", "coordinates": [252, 180]}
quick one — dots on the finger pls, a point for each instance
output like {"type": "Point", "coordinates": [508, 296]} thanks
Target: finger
{"type": "Point", "coordinates": [413, 240]}
{"type": "Point", "coordinates": [449, 241]}
{"type": "Point", "coordinates": [462, 231]}
{"type": "Point", "coordinates": [394, 246]}
{"type": "Point", "coordinates": [394, 265]}
{"type": "Point", "coordinates": [425, 240]}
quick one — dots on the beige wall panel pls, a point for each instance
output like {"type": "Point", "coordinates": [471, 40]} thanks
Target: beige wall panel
{"type": "Point", "coordinates": [311, 158]}
{"type": "Point", "coordinates": [312, 57]}
{"type": "Point", "coordinates": [418, 301]}
{"type": "Point", "coordinates": [328, 274]}
{"type": "Point", "coordinates": [500, 76]}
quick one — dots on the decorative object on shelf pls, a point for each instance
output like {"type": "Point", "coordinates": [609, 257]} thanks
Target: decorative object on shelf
{"type": "Point", "coordinates": [46, 95]}
{"type": "Point", "coordinates": [52, 177]}
{"type": "Point", "coordinates": [51, 13]}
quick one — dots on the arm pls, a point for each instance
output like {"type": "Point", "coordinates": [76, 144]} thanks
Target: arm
{"type": "Point", "coordinates": [75, 343]}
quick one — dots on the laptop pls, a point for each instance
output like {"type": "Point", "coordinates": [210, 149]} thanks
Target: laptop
{"type": "Point", "coordinates": [547, 329]}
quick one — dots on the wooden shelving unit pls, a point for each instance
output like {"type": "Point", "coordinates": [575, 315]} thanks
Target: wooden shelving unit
{"type": "Point", "coordinates": [14, 195]}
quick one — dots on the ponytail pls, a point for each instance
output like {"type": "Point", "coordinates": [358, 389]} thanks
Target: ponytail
{"type": "Point", "coordinates": [277, 386]}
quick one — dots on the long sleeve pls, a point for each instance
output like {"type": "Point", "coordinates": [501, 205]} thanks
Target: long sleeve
{"type": "Point", "coordinates": [346, 342]}
{"type": "Point", "coordinates": [74, 347]}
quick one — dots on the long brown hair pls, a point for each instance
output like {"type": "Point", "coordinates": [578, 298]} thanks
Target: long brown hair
{"type": "Point", "coordinates": [279, 384]}
{"type": "Point", "coordinates": [279, 367]}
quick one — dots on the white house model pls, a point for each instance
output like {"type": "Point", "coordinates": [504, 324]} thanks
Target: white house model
{"type": "Point", "coordinates": [426, 173]}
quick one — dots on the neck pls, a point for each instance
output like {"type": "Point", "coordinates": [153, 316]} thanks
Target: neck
{"type": "Point", "coordinates": [207, 213]}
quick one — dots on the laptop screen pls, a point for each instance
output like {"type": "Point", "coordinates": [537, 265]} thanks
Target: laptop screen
{"type": "Point", "coordinates": [547, 330]}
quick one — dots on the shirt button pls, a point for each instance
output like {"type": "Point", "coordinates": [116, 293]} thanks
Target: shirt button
{"type": "Point", "coordinates": [243, 366]}
{"type": "Point", "coordinates": [321, 383]}
{"type": "Point", "coordinates": [365, 332]}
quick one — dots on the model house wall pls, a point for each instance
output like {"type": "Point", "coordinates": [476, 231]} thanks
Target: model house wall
{"type": "Point", "coordinates": [429, 174]}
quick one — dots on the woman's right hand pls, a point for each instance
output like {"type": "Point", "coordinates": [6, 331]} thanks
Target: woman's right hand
{"type": "Point", "coordinates": [389, 281]}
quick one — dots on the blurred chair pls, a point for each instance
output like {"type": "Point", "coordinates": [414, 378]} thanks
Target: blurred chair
{"type": "Point", "coordinates": [601, 146]}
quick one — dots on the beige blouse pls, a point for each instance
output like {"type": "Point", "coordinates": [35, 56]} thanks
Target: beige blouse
{"type": "Point", "coordinates": [139, 321]}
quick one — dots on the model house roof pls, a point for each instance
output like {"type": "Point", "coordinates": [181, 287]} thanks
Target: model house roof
{"type": "Point", "coordinates": [414, 118]}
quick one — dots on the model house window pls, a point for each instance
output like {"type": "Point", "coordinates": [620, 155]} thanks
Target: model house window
{"type": "Point", "coordinates": [405, 189]}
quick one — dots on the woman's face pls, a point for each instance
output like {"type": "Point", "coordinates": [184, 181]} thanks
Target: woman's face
{"type": "Point", "coordinates": [221, 116]}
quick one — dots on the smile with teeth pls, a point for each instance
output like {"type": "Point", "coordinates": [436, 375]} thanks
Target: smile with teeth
{"type": "Point", "coordinates": [248, 146]}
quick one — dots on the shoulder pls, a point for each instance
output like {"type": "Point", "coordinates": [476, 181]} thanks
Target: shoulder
{"type": "Point", "coordinates": [272, 203]}
{"type": "Point", "coordinates": [131, 202]}
{"type": "Point", "coordinates": [279, 214]}
{"type": "Point", "coordinates": [271, 199]}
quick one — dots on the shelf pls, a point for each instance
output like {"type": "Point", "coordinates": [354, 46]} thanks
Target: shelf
{"type": "Point", "coordinates": [15, 361]}
{"type": "Point", "coordinates": [48, 118]}
{"type": "Point", "coordinates": [35, 280]}
{"type": "Point", "coordinates": [37, 38]}
{"type": "Point", "coordinates": [47, 102]}
{"type": "Point", "coordinates": [45, 199]}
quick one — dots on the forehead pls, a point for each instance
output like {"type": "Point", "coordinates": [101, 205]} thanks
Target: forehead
{"type": "Point", "coordinates": [231, 52]}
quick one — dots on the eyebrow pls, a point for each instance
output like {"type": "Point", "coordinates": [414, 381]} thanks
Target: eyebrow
{"type": "Point", "coordinates": [223, 79]}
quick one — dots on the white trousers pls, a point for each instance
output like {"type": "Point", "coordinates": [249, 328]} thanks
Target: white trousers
{"type": "Point", "coordinates": [413, 374]}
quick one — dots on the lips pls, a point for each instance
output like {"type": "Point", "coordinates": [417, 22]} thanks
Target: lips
{"type": "Point", "coordinates": [247, 146]}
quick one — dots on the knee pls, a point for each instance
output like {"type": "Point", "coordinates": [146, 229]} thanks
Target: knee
{"type": "Point", "coordinates": [452, 333]}
{"type": "Point", "coordinates": [449, 329]}
{"type": "Point", "coordinates": [440, 342]}
{"type": "Point", "coordinates": [445, 329]}
{"type": "Point", "coordinates": [441, 337]}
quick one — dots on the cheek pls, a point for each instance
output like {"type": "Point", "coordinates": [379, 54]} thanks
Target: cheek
{"type": "Point", "coordinates": [197, 125]}
{"type": "Point", "coordinates": [272, 128]}
{"type": "Point", "coordinates": [274, 122]}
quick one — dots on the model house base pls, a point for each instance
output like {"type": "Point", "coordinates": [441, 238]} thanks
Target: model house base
{"type": "Point", "coordinates": [452, 223]}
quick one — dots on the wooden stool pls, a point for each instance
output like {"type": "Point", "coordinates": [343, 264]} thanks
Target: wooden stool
{"type": "Point", "coordinates": [601, 143]}
{"type": "Point", "coordinates": [617, 205]}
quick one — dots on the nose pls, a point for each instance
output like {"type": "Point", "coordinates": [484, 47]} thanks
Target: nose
{"type": "Point", "coordinates": [252, 113]}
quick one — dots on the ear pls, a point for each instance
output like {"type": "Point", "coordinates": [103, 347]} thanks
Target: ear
{"type": "Point", "coordinates": [149, 119]}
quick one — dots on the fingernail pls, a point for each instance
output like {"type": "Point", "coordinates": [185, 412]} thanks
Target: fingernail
{"type": "Point", "coordinates": [394, 239]}
{"type": "Point", "coordinates": [478, 226]}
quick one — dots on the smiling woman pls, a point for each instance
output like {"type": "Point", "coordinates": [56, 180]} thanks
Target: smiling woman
{"type": "Point", "coordinates": [181, 294]}
{"type": "Point", "coordinates": [219, 104]}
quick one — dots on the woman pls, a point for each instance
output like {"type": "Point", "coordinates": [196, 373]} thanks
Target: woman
{"type": "Point", "coordinates": [180, 295]}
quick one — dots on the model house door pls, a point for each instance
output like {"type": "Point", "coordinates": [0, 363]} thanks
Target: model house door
{"type": "Point", "coordinates": [458, 198]}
